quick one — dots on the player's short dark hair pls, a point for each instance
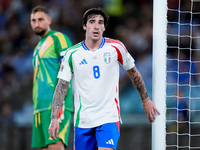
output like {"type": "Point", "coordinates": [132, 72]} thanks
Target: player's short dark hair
{"type": "Point", "coordinates": [95, 11]}
{"type": "Point", "coordinates": [39, 8]}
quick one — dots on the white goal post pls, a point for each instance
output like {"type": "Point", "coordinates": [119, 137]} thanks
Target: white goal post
{"type": "Point", "coordinates": [159, 72]}
{"type": "Point", "coordinates": [176, 74]}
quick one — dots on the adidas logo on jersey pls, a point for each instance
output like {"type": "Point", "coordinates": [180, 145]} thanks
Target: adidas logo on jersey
{"type": "Point", "coordinates": [83, 62]}
{"type": "Point", "coordinates": [110, 142]}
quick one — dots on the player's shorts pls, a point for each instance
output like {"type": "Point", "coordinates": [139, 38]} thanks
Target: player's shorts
{"type": "Point", "coordinates": [106, 135]}
{"type": "Point", "coordinates": [40, 135]}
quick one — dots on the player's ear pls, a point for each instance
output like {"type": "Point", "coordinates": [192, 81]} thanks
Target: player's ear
{"type": "Point", "coordinates": [84, 27]}
{"type": "Point", "coordinates": [49, 20]}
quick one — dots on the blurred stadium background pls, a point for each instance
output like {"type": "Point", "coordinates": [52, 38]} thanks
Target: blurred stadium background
{"type": "Point", "coordinates": [130, 22]}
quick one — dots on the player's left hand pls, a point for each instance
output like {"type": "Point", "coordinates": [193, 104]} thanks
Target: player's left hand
{"type": "Point", "coordinates": [150, 109]}
{"type": "Point", "coordinates": [54, 126]}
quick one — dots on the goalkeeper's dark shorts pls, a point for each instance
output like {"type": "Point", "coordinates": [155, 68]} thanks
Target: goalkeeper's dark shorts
{"type": "Point", "coordinates": [41, 122]}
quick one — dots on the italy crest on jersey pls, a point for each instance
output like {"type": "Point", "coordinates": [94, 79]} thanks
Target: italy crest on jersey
{"type": "Point", "coordinates": [107, 57]}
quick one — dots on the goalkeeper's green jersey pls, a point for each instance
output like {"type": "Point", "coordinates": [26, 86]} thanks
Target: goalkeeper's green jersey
{"type": "Point", "coordinates": [46, 62]}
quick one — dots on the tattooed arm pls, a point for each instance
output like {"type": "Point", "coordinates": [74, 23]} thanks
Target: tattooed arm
{"type": "Point", "coordinates": [138, 82]}
{"type": "Point", "coordinates": [58, 98]}
{"type": "Point", "coordinates": [148, 105]}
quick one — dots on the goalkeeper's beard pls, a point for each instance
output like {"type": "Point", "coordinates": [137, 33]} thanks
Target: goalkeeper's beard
{"type": "Point", "coordinates": [40, 33]}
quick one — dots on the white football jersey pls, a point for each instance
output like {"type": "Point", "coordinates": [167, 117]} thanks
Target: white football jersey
{"type": "Point", "coordinates": [95, 81]}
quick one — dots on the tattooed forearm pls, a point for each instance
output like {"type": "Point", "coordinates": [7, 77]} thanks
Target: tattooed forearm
{"type": "Point", "coordinates": [58, 98]}
{"type": "Point", "coordinates": [138, 82]}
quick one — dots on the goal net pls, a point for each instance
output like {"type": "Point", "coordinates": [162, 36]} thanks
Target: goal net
{"type": "Point", "coordinates": [176, 74]}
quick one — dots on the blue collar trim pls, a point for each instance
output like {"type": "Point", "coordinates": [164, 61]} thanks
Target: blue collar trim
{"type": "Point", "coordinates": [87, 49]}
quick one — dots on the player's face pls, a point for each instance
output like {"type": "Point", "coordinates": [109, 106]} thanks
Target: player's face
{"type": "Point", "coordinates": [40, 23]}
{"type": "Point", "coordinates": [94, 28]}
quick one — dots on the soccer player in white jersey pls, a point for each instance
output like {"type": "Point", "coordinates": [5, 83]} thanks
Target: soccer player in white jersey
{"type": "Point", "coordinates": [93, 64]}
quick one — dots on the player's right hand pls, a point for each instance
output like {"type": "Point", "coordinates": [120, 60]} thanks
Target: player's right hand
{"type": "Point", "coordinates": [54, 126]}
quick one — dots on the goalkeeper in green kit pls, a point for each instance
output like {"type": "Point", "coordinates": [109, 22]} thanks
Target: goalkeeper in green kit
{"type": "Point", "coordinates": [46, 62]}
